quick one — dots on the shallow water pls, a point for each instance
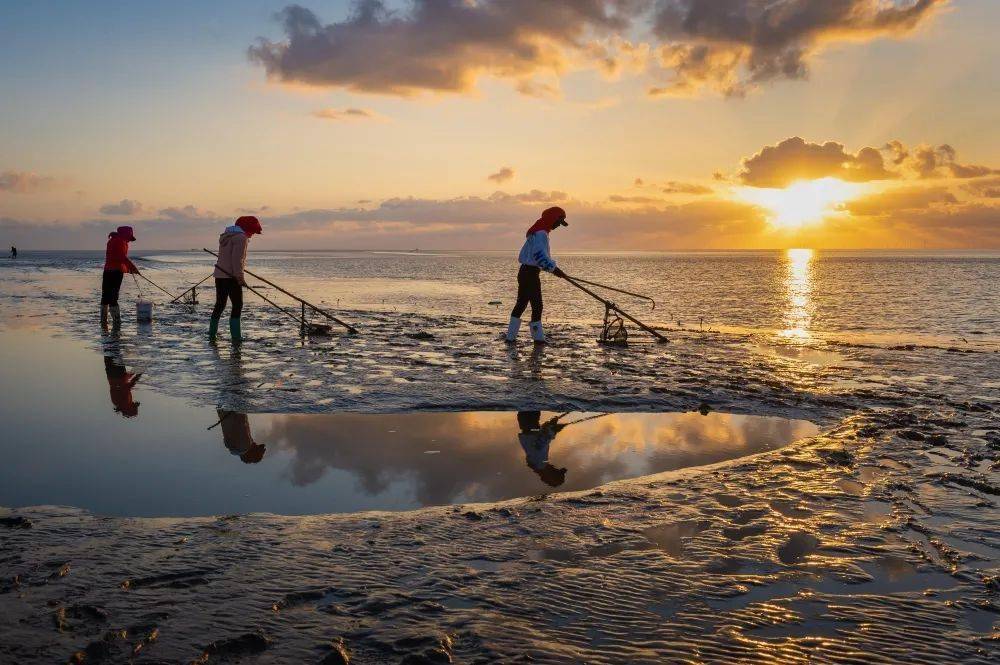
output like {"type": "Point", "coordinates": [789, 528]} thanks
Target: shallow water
{"type": "Point", "coordinates": [78, 435]}
{"type": "Point", "coordinates": [889, 296]}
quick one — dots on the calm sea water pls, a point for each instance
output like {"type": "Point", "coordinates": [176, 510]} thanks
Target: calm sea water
{"type": "Point", "coordinates": [931, 295]}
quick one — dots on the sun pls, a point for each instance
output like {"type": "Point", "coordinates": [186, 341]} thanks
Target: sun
{"type": "Point", "coordinates": [802, 202]}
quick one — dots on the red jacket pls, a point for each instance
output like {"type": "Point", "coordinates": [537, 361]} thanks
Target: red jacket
{"type": "Point", "coordinates": [116, 255]}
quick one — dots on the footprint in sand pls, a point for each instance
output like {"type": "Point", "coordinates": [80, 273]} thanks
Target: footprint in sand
{"type": "Point", "coordinates": [798, 546]}
{"type": "Point", "coordinates": [670, 537]}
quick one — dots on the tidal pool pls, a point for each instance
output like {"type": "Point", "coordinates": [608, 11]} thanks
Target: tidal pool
{"type": "Point", "coordinates": [83, 431]}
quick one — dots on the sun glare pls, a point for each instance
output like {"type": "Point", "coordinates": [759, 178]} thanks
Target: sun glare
{"type": "Point", "coordinates": [802, 202]}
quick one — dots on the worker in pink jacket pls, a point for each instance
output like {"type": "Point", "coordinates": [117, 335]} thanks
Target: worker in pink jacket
{"type": "Point", "coordinates": [229, 281]}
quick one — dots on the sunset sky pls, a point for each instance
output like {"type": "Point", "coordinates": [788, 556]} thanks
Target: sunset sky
{"type": "Point", "coordinates": [657, 124]}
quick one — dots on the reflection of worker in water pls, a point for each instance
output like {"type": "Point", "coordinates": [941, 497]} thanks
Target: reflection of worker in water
{"type": "Point", "coordinates": [237, 437]}
{"type": "Point", "coordinates": [120, 384]}
{"type": "Point", "coordinates": [535, 438]}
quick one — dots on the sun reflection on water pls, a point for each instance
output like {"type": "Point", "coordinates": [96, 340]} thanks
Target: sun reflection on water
{"type": "Point", "coordinates": [798, 285]}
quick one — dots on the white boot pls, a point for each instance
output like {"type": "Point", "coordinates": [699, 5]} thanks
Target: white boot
{"type": "Point", "coordinates": [512, 328]}
{"type": "Point", "coordinates": [537, 333]}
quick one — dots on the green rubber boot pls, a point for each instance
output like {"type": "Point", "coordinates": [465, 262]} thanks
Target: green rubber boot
{"type": "Point", "coordinates": [234, 330]}
{"type": "Point", "coordinates": [213, 329]}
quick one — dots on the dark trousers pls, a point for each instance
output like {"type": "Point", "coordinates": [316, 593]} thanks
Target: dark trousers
{"type": "Point", "coordinates": [228, 288]}
{"type": "Point", "coordinates": [529, 290]}
{"type": "Point", "coordinates": [111, 285]}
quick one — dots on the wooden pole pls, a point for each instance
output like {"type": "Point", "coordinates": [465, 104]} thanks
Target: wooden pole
{"type": "Point", "coordinates": [305, 303]}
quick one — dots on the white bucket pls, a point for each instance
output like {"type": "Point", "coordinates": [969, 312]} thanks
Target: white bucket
{"type": "Point", "coordinates": [144, 311]}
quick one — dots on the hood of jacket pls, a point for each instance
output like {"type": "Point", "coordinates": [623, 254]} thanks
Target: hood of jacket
{"type": "Point", "coordinates": [230, 234]}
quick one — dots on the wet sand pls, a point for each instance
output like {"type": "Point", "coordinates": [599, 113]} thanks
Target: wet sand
{"type": "Point", "coordinates": [873, 541]}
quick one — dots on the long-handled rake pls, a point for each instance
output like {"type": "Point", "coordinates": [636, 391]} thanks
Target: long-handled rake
{"type": "Point", "coordinates": [311, 328]}
{"type": "Point", "coordinates": [614, 331]}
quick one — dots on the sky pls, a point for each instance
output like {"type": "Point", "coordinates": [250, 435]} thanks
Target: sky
{"type": "Point", "coordinates": [451, 124]}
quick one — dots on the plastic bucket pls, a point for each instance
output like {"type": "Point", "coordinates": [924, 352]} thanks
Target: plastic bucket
{"type": "Point", "coordinates": [144, 311]}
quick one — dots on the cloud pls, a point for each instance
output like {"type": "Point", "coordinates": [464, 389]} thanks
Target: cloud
{"type": "Point", "coordinates": [503, 175]}
{"type": "Point", "coordinates": [732, 46]}
{"type": "Point", "coordinates": [446, 46]}
{"type": "Point", "coordinates": [926, 161]}
{"type": "Point", "coordinates": [796, 159]}
{"type": "Point", "coordinates": [675, 187]}
{"type": "Point", "coordinates": [23, 182]}
{"type": "Point", "coordinates": [897, 200]}
{"type": "Point", "coordinates": [345, 114]}
{"type": "Point", "coordinates": [123, 207]}
{"type": "Point", "coordinates": [252, 211]}
{"type": "Point", "coordinates": [437, 45]}
{"type": "Point", "coordinates": [645, 200]}
{"type": "Point", "coordinates": [187, 212]}
{"type": "Point", "coordinates": [986, 187]}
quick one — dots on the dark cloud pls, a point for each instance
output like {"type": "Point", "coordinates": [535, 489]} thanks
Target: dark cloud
{"type": "Point", "coordinates": [796, 159]}
{"type": "Point", "coordinates": [436, 45]}
{"type": "Point", "coordinates": [503, 175]}
{"type": "Point", "coordinates": [123, 207]}
{"type": "Point", "coordinates": [344, 114]}
{"type": "Point", "coordinates": [22, 182]}
{"type": "Point", "coordinates": [734, 45]}
{"type": "Point", "coordinates": [446, 45]}
{"type": "Point", "coordinates": [253, 211]}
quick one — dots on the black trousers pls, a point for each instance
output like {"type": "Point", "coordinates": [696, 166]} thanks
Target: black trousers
{"type": "Point", "coordinates": [111, 286]}
{"type": "Point", "coordinates": [228, 288]}
{"type": "Point", "coordinates": [529, 290]}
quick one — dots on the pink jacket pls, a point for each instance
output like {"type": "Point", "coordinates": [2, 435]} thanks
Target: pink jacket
{"type": "Point", "coordinates": [232, 254]}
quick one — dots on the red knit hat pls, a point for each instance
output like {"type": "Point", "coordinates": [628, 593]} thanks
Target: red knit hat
{"type": "Point", "coordinates": [249, 224]}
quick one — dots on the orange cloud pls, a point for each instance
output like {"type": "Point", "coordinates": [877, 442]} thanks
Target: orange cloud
{"type": "Point", "coordinates": [797, 159]}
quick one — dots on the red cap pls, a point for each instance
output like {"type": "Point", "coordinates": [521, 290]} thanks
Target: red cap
{"type": "Point", "coordinates": [249, 224]}
{"type": "Point", "coordinates": [126, 233]}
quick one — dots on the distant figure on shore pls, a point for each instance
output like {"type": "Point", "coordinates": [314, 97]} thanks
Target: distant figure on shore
{"type": "Point", "coordinates": [237, 437]}
{"type": "Point", "coordinates": [534, 258]}
{"type": "Point", "coordinates": [535, 438]}
{"type": "Point", "coordinates": [13, 252]}
{"type": "Point", "coordinates": [229, 280]}
{"type": "Point", "coordinates": [120, 384]}
{"type": "Point", "coordinates": [116, 265]}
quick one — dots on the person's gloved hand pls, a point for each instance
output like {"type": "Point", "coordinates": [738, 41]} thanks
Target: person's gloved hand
{"type": "Point", "coordinates": [559, 273]}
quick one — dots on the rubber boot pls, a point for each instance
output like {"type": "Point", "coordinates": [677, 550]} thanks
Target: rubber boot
{"type": "Point", "coordinates": [104, 316]}
{"type": "Point", "coordinates": [213, 328]}
{"type": "Point", "coordinates": [116, 316]}
{"type": "Point", "coordinates": [537, 334]}
{"type": "Point", "coordinates": [234, 330]}
{"type": "Point", "coordinates": [512, 328]}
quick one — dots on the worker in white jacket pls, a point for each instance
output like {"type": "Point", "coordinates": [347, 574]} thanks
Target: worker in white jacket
{"type": "Point", "coordinates": [535, 257]}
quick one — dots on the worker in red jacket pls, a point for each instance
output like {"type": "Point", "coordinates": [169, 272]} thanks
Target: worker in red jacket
{"type": "Point", "coordinates": [116, 265]}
